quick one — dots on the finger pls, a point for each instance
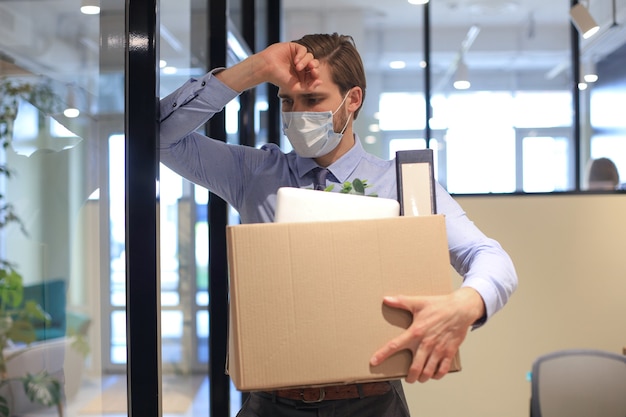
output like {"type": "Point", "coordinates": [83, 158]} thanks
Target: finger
{"type": "Point", "coordinates": [306, 62]}
{"type": "Point", "coordinates": [312, 68]}
{"type": "Point", "coordinates": [308, 78]}
{"type": "Point", "coordinates": [402, 302]}
{"type": "Point", "coordinates": [443, 369]}
{"type": "Point", "coordinates": [429, 369]}
{"type": "Point", "coordinates": [397, 344]}
{"type": "Point", "coordinates": [417, 366]}
{"type": "Point", "coordinates": [300, 56]}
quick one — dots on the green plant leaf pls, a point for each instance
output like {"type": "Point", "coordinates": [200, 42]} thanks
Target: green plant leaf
{"type": "Point", "coordinates": [79, 343]}
{"type": "Point", "coordinates": [42, 388]}
{"type": "Point", "coordinates": [33, 311]}
{"type": "Point", "coordinates": [6, 323]}
{"type": "Point", "coordinates": [22, 331]}
{"type": "Point", "coordinates": [11, 287]}
{"type": "Point", "coordinates": [359, 186]}
{"type": "Point", "coordinates": [4, 407]}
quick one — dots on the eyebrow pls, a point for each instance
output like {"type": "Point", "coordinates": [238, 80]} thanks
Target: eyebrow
{"type": "Point", "coordinates": [305, 95]}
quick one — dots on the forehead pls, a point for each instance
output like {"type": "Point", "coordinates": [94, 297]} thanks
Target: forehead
{"type": "Point", "coordinates": [326, 87]}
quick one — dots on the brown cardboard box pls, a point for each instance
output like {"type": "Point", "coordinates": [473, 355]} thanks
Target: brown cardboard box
{"type": "Point", "coordinates": [306, 298]}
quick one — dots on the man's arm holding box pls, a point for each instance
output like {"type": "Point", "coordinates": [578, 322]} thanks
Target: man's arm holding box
{"type": "Point", "coordinates": [440, 323]}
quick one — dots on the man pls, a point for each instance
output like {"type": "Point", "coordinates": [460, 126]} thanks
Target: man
{"type": "Point", "coordinates": [322, 84]}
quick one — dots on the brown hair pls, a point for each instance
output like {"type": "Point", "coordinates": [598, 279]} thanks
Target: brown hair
{"type": "Point", "coordinates": [342, 57]}
{"type": "Point", "coordinates": [603, 170]}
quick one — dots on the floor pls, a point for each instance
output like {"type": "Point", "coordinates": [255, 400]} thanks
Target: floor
{"type": "Point", "coordinates": [91, 388]}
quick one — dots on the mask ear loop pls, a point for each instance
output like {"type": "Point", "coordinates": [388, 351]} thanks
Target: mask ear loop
{"type": "Point", "coordinates": [346, 125]}
{"type": "Point", "coordinates": [349, 116]}
{"type": "Point", "coordinates": [342, 101]}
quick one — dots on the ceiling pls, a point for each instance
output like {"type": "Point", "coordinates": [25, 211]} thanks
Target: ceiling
{"type": "Point", "coordinates": [512, 38]}
{"type": "Point", "coordinates": [508, 35]}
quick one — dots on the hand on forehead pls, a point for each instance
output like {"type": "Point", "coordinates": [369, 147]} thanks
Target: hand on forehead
{"type": "Point", "coordinates": [314, 79]}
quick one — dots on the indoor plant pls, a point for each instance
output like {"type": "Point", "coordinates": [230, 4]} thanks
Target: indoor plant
{"type": "Point", "coordinates": [17, 316]}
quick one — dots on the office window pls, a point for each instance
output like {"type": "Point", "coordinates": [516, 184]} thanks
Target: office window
{"type": "Point", "coordinates": [480, 138]}
{"type": "Point", "coordinates": [607, 116]}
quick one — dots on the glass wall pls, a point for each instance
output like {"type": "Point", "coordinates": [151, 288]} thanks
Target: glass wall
{"type": "Point", "coordinates": [61, 90]}
{"type": "Point", "coordinates": [63, 212]}
{"type": "Point", "coordinates": [606, 123]}
{"type": "Point", "coordinates": [511, 127]}
{"type": "Point", "coordinates": [62, 202]}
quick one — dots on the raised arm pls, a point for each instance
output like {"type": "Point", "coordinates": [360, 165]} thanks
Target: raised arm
{"type": "Point", "coordinates": [282, 64]}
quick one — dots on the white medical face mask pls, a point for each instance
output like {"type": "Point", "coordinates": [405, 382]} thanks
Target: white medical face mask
{"type": "Point", "coordinates": [311, 133]}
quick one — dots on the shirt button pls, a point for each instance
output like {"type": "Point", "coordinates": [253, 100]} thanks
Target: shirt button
{"type": "Point", "coordinates": [174, 104]}
{"type": "Point", "coordinates": [203, 83]}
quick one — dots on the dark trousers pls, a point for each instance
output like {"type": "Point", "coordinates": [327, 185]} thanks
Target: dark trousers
{"type": "Point", "coordinates": [391, 404]}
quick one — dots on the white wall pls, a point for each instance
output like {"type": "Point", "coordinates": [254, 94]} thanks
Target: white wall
{"type": "Point", "coordinates": [569, 252]}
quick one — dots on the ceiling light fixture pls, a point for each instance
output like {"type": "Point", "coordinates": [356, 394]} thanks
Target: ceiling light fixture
{"type": "Point", "coordinates": [90, 7]}
{"type": "Point", "coordinates": [492, 7]}
{"type": "Point", "coordinates": [461, 77]}
{"type": "Point", "coordinates": [374, 128]}
{"type": "Point", "coordinates": [583, 21]}
{"type": "Point", "coordinates": [418, 2]}
{"type": "Point", "coordinates": [589, 72]}
{"type": "Point", "coordinates": [71, 111]}
{"type": "Point", "coordinates": [169, 70]}
{"type": "Point", "coordinates": [397, 65]}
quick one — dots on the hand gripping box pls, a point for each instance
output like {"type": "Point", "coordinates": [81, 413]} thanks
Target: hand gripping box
{"type": "Point", "coordinates": [306, 298]}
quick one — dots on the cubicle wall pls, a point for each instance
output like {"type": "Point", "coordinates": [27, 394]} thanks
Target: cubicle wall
{"type": "Point", "coordinates": [570, 254]}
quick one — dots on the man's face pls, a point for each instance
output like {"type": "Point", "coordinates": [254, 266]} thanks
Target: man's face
{"type": "Point", "coordinates": [325, 96]}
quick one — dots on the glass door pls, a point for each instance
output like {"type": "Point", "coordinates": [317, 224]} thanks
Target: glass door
{"type": "Point", "coordinates": [62, 97]}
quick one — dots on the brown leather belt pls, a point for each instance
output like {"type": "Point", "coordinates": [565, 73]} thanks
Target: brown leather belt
{"type": "Point", "coordinates": [335, 392]}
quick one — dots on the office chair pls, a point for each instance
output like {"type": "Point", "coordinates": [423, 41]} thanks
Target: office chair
{"type": "Point", "coordinates": [578, 383]}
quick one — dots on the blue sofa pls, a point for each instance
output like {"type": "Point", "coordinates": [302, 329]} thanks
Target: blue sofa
{"type": "Point", "coordinates": [50, 295]}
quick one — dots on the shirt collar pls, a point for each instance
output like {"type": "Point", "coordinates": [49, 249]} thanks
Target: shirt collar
{"type": "Point", "coordinates": [341, 168]}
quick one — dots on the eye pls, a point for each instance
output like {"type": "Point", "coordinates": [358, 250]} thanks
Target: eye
{"type": "Point", "coordinates": [312, 101]}
{"type": "Point", "coordinates": [286, 102]}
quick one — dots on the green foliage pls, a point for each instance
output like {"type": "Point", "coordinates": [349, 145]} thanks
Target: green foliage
{"type": "Point", "coordinates": [17, 316]}
{"type": "Point", "coordinates": [357, 187]}
{"type": "Point", "coordinates": [11, 288]}
{"type": "Point", "coordinates": [12, 92]}
{"type": "Point", "coordinates": [16, 325]}
{"type": "Point", "coordinates": [42, 388]}
{"type": "Point", "coordinates": [4, 407]}
{"type": "Point", "coordinates": [79, 343]}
